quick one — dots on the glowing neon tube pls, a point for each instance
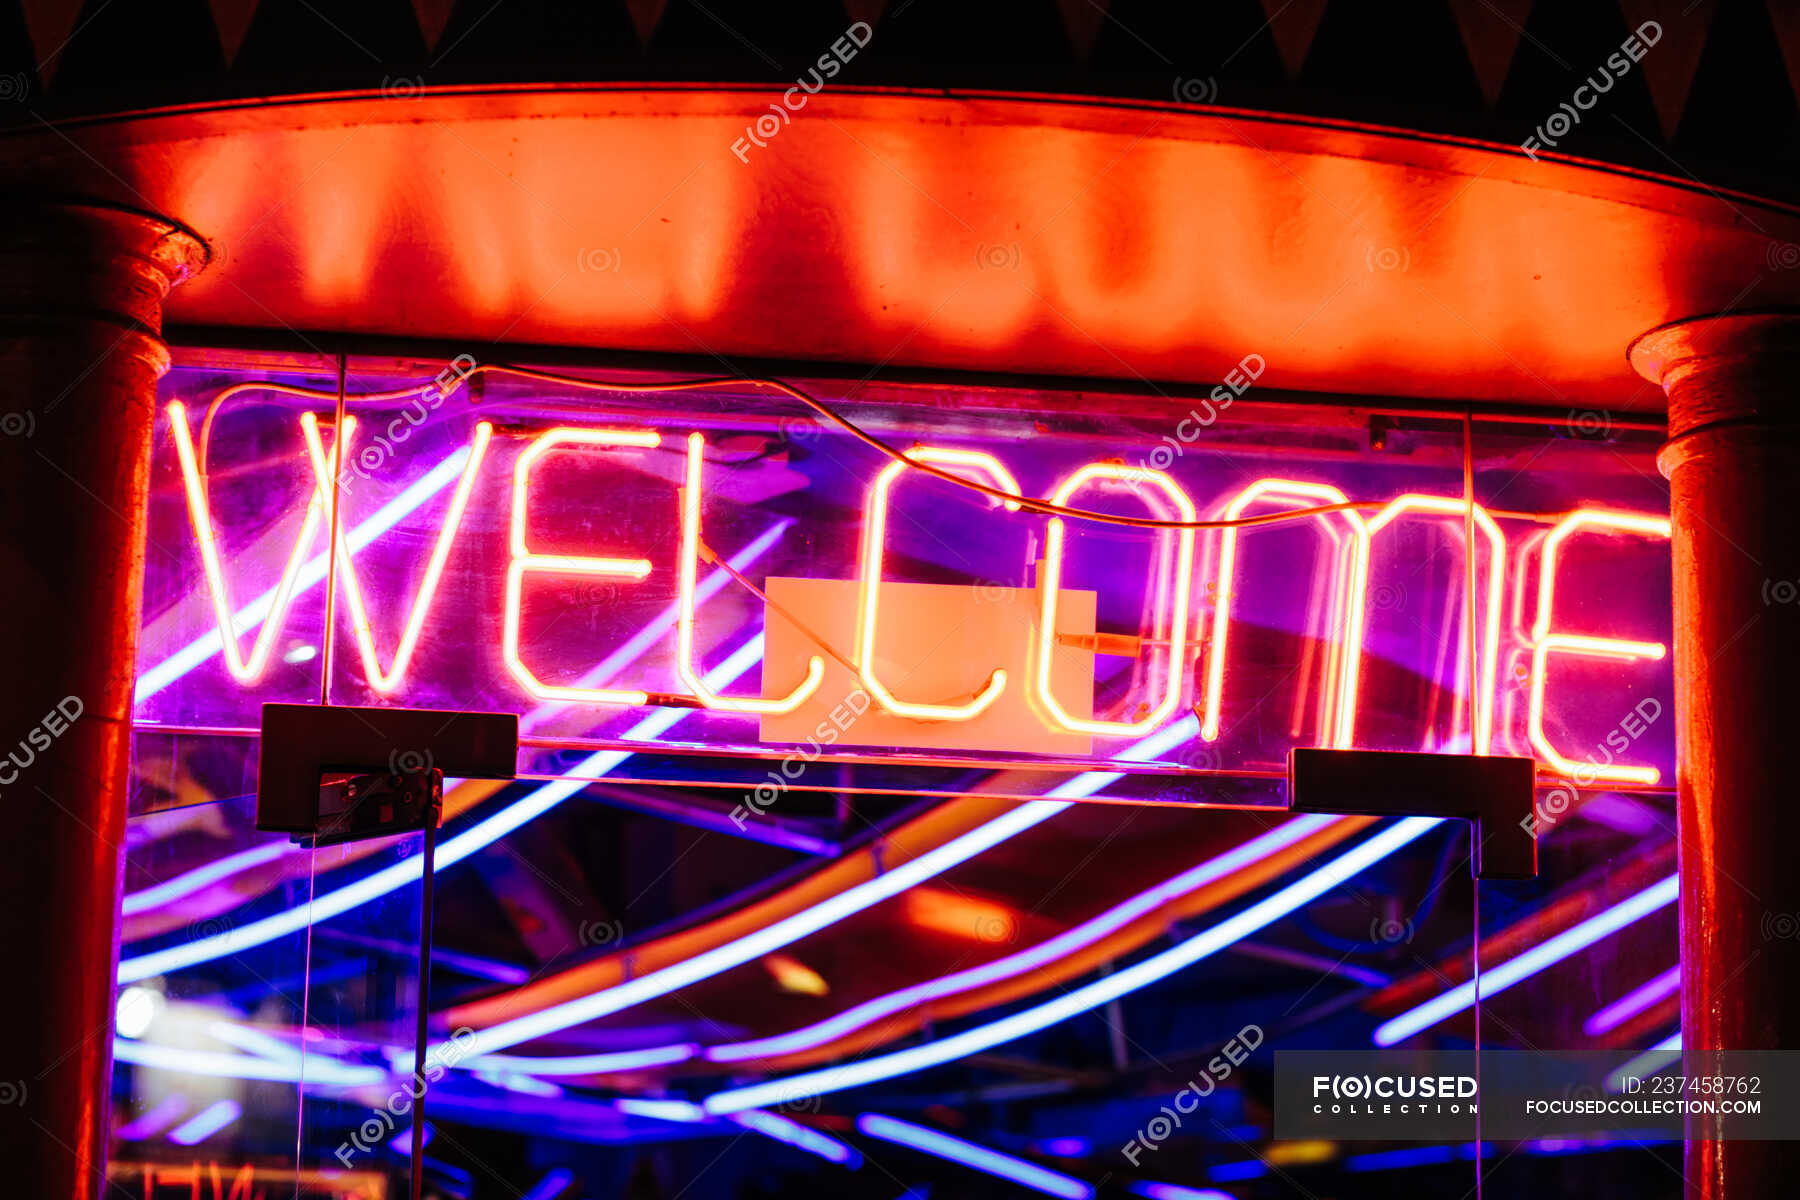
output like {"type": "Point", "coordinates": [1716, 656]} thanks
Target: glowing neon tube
{"type": "Point", "coordinates": [206, 1122]}
{"type": "Point", "coordinates": [980, 1158]}
{"type": "Point", "coordinates": [1632, 1003]}
{"type": "Point", "coordinates": [398, 875]}
{"type": "Point", "coordinates": [550, 1186]}
{"type": "Point", "coordinates": [1174, 1191]}
{"type": "Point", "coordinates": [588, 1064]}
{"type": "Point", "coordinates": [807, 921]}
{"type": "Point", "coordinates": [1498, 978]}
{"type": "Point", "coordinates": [317, 1068]}
{"type": "Point", "coordinates": [1210, 941]}
{"type": "Point", "coordinates": [1032, 958]}
{"type": "Point", "coordinates": [204, 875]}
{"type": "Point", "coordinates": [152, 1121]}
{"type": "Point", "coordinates": [801, 1137]}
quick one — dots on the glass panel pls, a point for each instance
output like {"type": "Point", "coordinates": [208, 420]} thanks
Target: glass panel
{"type": "Point", "coordinates": [682, 913]}
{"type": "Point", "coordinates": [206, 1076]}
{"type": "Point", "coordinates": [1585, 957]}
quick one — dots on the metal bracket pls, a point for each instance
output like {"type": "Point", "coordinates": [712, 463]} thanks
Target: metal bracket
{"type": "Point", "coordinates": [1492, 792]}
{"type": "Point", "coordinates": [339, 774]}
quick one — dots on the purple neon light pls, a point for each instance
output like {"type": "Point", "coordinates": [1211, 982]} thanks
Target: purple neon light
{"type": "Point", "coordinates": [738, 951]}
{"type": "Point", "coordinates": [1632, 1003]}
{"type": "Point", "coordinates": [1043, 1015]}
{"type": "Point", "coordinates": [1661, 1056]}
{"type": "Point", "coordinates": [206, 1122]}
{"type": "Point", "coordinates": [979, 1158]}
{"type": "Point", "coordinates": [153, 1120]}
{"type": "Point", "coordinates": [1174, 1191]}
{"type": "Point", "coordinates": [1498, 978]}
{"type": "Point", "coordinates": [1031, 959]}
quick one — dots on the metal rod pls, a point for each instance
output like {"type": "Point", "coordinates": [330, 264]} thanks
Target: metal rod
{"type": "Point", "coordinates": [423, 997]}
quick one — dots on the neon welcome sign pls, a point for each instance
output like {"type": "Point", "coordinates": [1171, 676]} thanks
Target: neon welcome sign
{"type": "Point", "coordinates": [1037, 686]}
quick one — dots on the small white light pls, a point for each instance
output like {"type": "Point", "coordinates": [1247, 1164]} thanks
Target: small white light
{"type": "Point", "coordinates": [138, 1007]}
{"type": "Point", "coordinates": [300, 654]}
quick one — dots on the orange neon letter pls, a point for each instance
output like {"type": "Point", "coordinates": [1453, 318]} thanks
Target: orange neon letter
{"type": "Point", "coordinates": [690, 569]}
{"type": "Point", "coordinates": [1546, 643]}
{"type": "Point", "coordinates": [1293, 492]}
{"type": "Point", "coordinates": [874, 535]}
{"type": "Point", "coordinates": [1051, 584]}
{"type": "Point", "coordinates": [244, 670]}
{"type": "Point", "coordinates": [524, 560]}
{"type": "Point", "coordinates": [388, 681]}
{"type": "Point", "coordinates": [1485, 677]}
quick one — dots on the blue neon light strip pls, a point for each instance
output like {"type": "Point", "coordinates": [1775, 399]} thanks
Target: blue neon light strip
{"type": "Point", "coordinates": [980, 1158]}
{"type": "Point", "coordinates": [1174, 1191]}
{"type": "Point", "coordinates": [315, 1068]}
{"type": "Point", "coordinates": [206, 1122]}
{"type": "Point", "coordinates": [1664, 1054]}
{"type": "Point", "coordinates": [1088, 997]}
{"type": "Point", "coordinates": [1032, 958]}
{"type": "Point", "coordinates": [810, 920]}
{"type": "Point", "coordinates": [801, 1137]}
{"type": "Point", "coordinates": [551, 1185]}
{"type": "Point", "coordinates": [1498, 978]}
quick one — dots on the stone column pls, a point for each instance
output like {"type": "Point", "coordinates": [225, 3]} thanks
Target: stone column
{"type": "Point", "coordinates": [1733, 465]}
{"type": "Point", "coordinates": [81, 292]}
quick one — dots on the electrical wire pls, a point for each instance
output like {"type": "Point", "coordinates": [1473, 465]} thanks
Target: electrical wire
{"type": "Point", "coordinates": [824, 410]}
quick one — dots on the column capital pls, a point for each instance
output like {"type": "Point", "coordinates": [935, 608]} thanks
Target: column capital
{"type": "Point", "coordinates": [1729, 377]}
{"type": "Point", "coordinates": [72, 259]}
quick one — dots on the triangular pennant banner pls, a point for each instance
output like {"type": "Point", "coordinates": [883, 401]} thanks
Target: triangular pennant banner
{"type": "Point", "coordinates": [1292, 23]}
{"type": "Point", "coordinates": [867, 11]}
{"type": "Point", "coordinates": [1785, 17]}
{"type": "Point", "coordinates": [51, 23]}
{"type": "Point", "coordinates": [433, 16]}
{"type": "Point", "coordinates": [1679, 32]}
{"type": "Point", "coordinates": [1490, 32]}
{"type": "Point", "coordinates": [1082, 20]}
{"type": "Point", "coordinates": [645, 15]}
{"type": "Point", "coordinates": [233, 19]}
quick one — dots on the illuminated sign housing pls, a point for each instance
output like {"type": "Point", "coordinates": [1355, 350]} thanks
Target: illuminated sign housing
{"type": "Point", "coordinates": [1094, 625]}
